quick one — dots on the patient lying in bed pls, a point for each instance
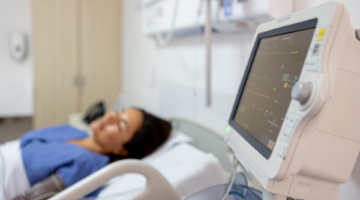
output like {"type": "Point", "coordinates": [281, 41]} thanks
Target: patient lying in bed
{"type": "Point", "coordinates": [56, 157]}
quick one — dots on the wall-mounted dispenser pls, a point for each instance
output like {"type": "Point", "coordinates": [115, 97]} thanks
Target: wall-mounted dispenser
{"type": "Point", "coordinates": [18, 45]}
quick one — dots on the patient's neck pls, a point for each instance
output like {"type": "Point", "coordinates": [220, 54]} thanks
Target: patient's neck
{"type": "Point", "coordinates": [89, 144]}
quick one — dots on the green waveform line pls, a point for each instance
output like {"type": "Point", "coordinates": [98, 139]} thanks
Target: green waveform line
{"type": "Point", "coordinates": [273, 53]}
{"type": "Point", "coordinates": [257, 93]}
{"type": "Point", "coordinates": [265, 77]}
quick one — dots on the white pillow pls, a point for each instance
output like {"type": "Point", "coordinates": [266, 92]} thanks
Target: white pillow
{"type": "Point", "coordinates": [174, 139]}
{"type": "Point", "coordinates": [187, 169]}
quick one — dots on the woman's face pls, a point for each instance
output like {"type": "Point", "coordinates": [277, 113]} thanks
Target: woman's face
{"type": "Point", "coordinates": [114, 130]}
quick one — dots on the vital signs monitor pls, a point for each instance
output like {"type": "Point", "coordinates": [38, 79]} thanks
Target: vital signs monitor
{"type": "Point", "coordinates": [295, 122]}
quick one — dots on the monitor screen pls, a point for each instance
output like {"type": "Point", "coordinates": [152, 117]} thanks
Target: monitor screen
{"type": "Point", "coordinates": [266, 94]}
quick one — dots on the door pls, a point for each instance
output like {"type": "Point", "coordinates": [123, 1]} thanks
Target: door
{"type": "Point", "coordinates": [56, 63]}
{"type": "Point", "coordinates": [100, 46]}
{"type": "Point", "coordinates": [76, 57]}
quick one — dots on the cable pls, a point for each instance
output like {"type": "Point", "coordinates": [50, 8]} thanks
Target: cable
{"type": "Point", "coordinates": [235, 162]}
{"type": "Point", "coordinates": [220, 5]}
{"type": "Point", "coordinates": [2, 175]}
{"type": "Point", "coordinates": [164, 41]}
{"type": "Point", "coordinates": [208, 37]}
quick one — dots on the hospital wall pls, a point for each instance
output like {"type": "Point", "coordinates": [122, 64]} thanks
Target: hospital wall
{"type": "Point", "coordinates": [15, 77]}
{"type": "Point", "coordinates": [170, 80]}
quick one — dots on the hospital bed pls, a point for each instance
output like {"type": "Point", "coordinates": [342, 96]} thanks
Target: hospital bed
{"type": "Point", "coordinates": [294, 121]}
{"type": "Point", "coordinates": [194, 150]}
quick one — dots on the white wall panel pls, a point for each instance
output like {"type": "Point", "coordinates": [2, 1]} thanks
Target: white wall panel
{"type": "Point", "coordinates": [16, 81]}
{"type": "Point", "coordinates": [180, 71]}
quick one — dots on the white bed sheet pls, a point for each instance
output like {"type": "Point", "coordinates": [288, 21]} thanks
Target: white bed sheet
{"type": "Point", "coordinates": [187, 168]}
{"type": "Point", "coordinates": [15, 179]}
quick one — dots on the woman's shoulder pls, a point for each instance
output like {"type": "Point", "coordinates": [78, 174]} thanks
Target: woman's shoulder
{"type": "Point", "coordinates": [57, 128]}
{"type": "Point", "coordinates": [63, 158]}
{"type": "Point", "coordinates": [59, 132]}
{"type": "Point", "coordinates": [82, 164]}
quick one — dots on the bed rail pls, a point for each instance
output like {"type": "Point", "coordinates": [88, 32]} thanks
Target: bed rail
{"type": "Point", "coordinates": [157, 187]}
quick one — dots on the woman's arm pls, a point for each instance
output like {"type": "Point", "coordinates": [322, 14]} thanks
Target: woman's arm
{"type": "Point", "coordinates": [44, 189]}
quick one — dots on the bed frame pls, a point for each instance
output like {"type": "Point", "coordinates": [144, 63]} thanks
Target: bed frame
{"type": "Point", "coordinates": [204, 137]}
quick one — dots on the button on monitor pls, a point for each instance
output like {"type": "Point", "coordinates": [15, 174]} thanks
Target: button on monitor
{"type": "Point", "coordinates": [316, 49]}
{"type": "Point", "coordinates": [281, 150]}
{"type": "Point", "coordinates": [285, 138]}
{"type": "Point", "coordinates": [288, 131]}
{"type": "Point", "coordinates": [312, 64]}
{"type": "Point", "coordinates": [293, 119]}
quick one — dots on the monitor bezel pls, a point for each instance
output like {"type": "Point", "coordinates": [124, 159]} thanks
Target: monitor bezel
{"type": "Point", "coordinates": [266, 153]}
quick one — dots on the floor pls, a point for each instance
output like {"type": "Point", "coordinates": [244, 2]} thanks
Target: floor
{"type": "Point", "coordinates": [14, 128]}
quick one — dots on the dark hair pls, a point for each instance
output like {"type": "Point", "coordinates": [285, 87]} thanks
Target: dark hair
{"type": "Point", "coordinates": [153, 132]}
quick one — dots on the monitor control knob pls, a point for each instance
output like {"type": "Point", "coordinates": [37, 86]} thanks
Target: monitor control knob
{"type": "Point", "coordinates": [301, 92]}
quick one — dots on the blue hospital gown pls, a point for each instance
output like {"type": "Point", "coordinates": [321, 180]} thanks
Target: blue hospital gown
{"type": "Point", "coordinates": [45, 152]}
